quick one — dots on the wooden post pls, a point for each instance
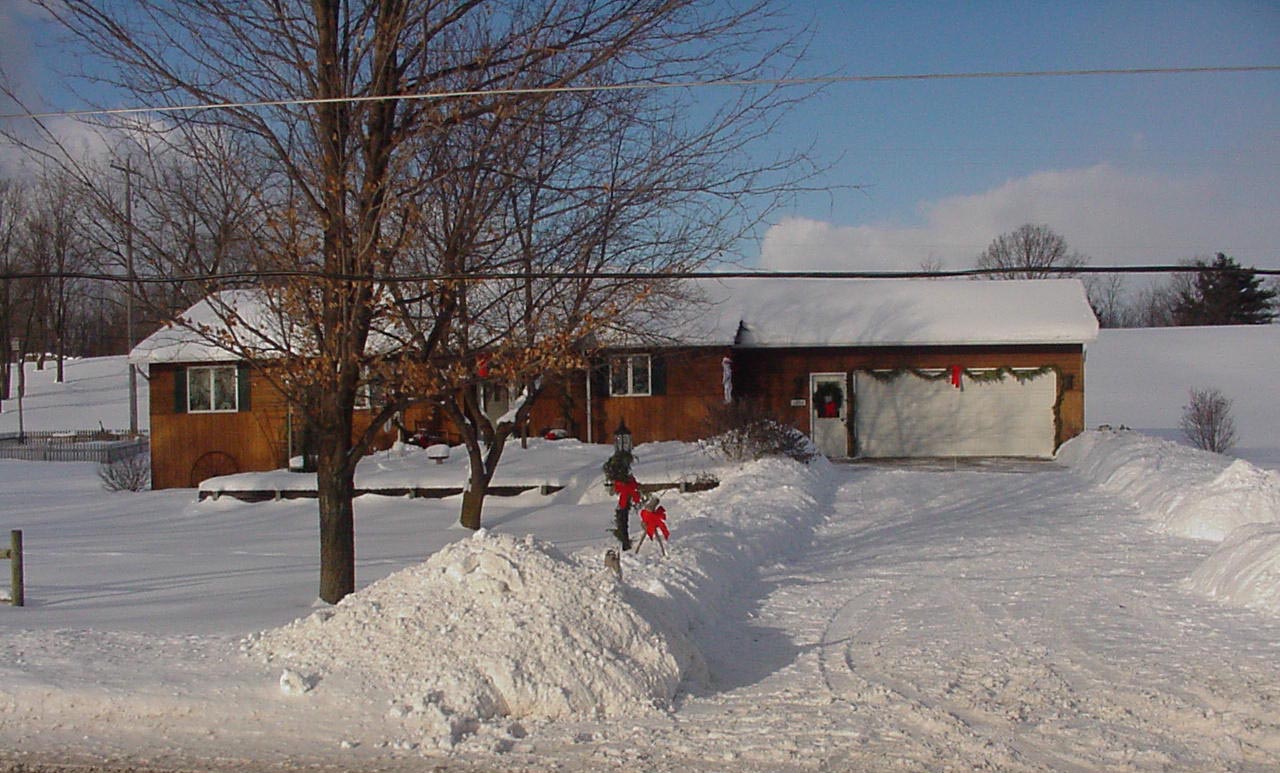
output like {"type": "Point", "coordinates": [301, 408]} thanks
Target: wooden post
{"type": "Point", "coordinates": [15, 563]}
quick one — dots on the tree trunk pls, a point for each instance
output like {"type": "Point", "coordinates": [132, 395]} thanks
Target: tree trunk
{"type": "Point", "coordinates": [335, 485]}
{"type": "Point", "coordinates": [483, 462]}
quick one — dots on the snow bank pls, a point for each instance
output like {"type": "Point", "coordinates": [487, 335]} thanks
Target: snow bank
{"type": "Point", "coordinates": [1196, 494]}
{"type": "Point", "coordinates": [761, 511]}
{"type": "Point", "coordinates": [490, 626]}
{"type": "Point", "coordinates": [1244, 570]}
{"type": "Point", "coordinates": [1187, 492]}
{"type": "Point", "coordinates": [496, 626]}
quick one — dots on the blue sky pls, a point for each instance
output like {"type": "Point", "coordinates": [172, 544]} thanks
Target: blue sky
{"type": "Point", "coordinates": [1127, 168]}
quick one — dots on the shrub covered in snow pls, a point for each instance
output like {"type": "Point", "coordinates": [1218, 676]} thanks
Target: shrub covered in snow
{"type": "Point", "coordinates": [741, 432]}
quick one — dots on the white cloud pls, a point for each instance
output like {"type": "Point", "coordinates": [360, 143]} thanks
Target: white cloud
{"type": "Point", "coordinates": [1111, 215]}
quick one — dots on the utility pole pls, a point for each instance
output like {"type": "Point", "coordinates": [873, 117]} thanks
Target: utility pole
{"type": "Point", "coordinates": [128, 324]}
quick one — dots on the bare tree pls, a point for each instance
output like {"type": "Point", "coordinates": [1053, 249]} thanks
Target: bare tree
{"type": "Point", "coordinates": [1027, 252]}
{"type": "Point", "coordinates": [12, 198]}
{"type": "Point", "coordinates": [1109, 302]}
{"type": "Point", "coordinates": [1207, 422]}
{"type": "Point", "coordinates": [394, 201]}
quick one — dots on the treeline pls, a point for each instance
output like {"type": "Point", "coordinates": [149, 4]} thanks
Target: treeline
{"type": "Point", "coordinates": [1217, 291]}
{"type": "Point", "coordinates": [59, 222]}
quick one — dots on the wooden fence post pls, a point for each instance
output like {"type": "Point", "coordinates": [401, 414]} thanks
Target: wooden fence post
{"type": "Point", "coordinates": [14, 554]}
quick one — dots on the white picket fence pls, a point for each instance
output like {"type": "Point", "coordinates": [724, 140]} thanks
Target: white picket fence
{"type": "Point", "coordinates": [71, 446]}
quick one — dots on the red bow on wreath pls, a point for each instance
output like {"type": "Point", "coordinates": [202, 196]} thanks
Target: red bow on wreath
{"type": "Point", "coordinates": [655, 521]}
{"type": "Point", "coordinates": [628, 491]}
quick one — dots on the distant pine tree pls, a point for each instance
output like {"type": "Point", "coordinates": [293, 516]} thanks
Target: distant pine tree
{"type": "Point", "coordinates": [1228, 295]}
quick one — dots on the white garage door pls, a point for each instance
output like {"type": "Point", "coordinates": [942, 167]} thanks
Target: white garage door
{"type": "Point", "coordinates": [912, 416]}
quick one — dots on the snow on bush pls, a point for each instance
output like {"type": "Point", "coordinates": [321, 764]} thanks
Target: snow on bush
{"type": "Point", "coordinates": [1196, 494]}
{"type": "Point", "coordinates": [1244, 570]}
{"type": "Point", "coordinates": [489, 626]}
{"type": "Point", "coordinates": [1187, 492]}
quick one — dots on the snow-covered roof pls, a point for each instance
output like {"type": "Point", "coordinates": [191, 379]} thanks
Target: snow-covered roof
{"type": "Point", "coordinates": [890, 312]}
{"type": "Point", "coordinates": [196, 335]}
{"type": "Point", "coordinates": [745, 312]}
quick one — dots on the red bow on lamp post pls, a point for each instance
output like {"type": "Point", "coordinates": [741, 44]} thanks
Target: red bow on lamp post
{"type": "Point", "coordinates": [628, 492]}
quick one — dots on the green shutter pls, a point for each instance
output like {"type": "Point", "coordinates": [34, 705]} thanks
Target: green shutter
{"type": "Point", "coordinates": [657, 374]}
{"type": "Point", "coordinates": [600, 379]}
{"type": "Point", "coordinates": [242, 386]}
{"type": "Point", "coordinates": [180, 390]}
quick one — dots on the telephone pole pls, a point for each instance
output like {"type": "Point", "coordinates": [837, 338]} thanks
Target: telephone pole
{"type": "Point", "coordinates": [128, 324]}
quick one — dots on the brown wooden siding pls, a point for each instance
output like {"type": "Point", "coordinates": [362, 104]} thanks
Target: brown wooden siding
{"type": "Point", "coordinates": [773, 378]}
{"type": "Point", "coordinates": [186, 448]}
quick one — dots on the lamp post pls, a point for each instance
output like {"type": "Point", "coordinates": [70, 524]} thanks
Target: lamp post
{"type": "Point", "coordinates": [622, 437]}
{"type": "Point", "coordinates": [128, 323]}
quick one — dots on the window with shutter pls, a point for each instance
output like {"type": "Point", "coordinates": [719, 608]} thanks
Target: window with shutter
{"type": "Point", "coordinates": [630, 376]}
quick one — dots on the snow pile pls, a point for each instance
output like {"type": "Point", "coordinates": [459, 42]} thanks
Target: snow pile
{"type": "Point", "coordinates": [487, 627]}
{"type": "Point", "coordinates": [1196, 494]}
{"type": "Point", "coordinates": [496, 626]}
{"type": "Point", "coordinates": [1244, 570]}
{"type": "Point", "coordinates": [1189, 493]}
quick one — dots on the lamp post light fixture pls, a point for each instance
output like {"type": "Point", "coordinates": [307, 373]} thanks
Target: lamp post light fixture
{"type": "Point", "coordinates": [622, 437]}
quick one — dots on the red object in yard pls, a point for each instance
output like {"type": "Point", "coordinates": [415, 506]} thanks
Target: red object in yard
{"type": "Point", "coordinates": [628, 492]}
{"type": "Point", "coordinates": [482, 367]}
{"type": "Point", "coordinates": [956, 370]}
{"type": "Point", "coordinates": [655, 521]}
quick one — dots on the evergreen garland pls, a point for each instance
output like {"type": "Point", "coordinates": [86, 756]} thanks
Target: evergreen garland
{"type": "Point", "coordinates": [979, 375]}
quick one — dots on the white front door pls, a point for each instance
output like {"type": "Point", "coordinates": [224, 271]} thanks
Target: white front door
{"type": "Point", "coordinates": [829, 414]}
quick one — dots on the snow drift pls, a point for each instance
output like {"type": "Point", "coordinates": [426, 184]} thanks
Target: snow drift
{"type": "Point", "coordinates": [1199, 495]}
{"type": "Point", "coordinates": [495, 626]}
{"type": "Point", "coordinates": [1187, 492]}
{"type": "Point", "coordinates": [1244, 570]}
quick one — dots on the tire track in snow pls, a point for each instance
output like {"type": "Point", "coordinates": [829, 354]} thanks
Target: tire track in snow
{"type": "Point", "coordinates": [1053, 706]}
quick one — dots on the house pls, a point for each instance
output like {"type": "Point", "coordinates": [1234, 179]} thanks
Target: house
{"type": "Point", "coordinates": [868, 368]}
{"type": "Point", "coordinates": [213, 415]}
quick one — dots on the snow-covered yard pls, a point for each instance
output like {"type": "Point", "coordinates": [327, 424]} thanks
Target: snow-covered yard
{"type": "Point", "coordinates": [819, 618]}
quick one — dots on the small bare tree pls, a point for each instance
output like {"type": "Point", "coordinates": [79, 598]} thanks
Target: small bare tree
{"type": "Point", "coordinates": [1207, 421]}
{"type": "Point", "coordinates": [1028, 252]}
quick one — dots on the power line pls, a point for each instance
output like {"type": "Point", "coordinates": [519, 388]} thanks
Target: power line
{"type": "Point", "coordinates": [252, 276]}
{"type": "Point", "coordinates": [660, 85]}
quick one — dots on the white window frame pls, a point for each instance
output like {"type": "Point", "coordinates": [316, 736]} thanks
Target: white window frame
{"type": "Point", "coordinates": [631, 360]}
{"type": "Point", "coordinates": [209, 372]}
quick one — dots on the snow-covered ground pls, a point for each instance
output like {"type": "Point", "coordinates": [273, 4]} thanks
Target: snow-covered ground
{"type": "Point", "coordinates": [1116, 609]}
{"type": "Point", "coordinates": [1141, 378]}
{"type": "Point", "coordinates": [94, 394]}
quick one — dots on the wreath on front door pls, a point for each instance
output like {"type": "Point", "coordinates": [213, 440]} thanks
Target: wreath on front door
{"type": "Point", "coordinates": [828, 389]}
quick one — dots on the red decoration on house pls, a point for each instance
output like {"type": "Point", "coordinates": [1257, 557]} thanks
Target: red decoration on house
{"type": "Point", "coordinates": [655, 521]}
{"type": "Point", "coordinates": [956, 370]}
{"type": "Point", "coordinates": [628, 492]}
